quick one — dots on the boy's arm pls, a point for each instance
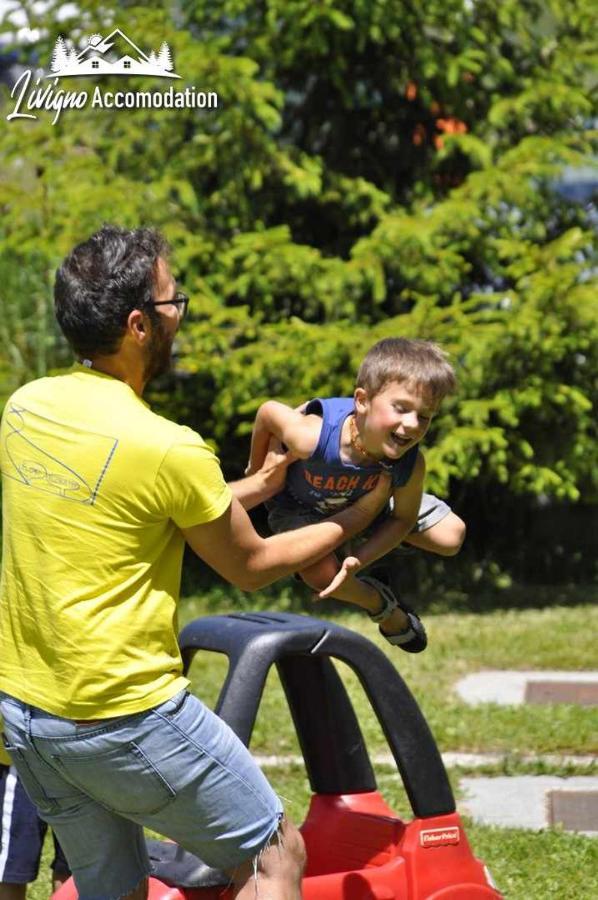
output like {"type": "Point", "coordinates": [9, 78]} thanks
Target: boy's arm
{"type": "Point", "coordinates": [298, 432]}
{"type": "Point", "coordinates": [404, 516]}
{"type": "Point", "coordinates": [391, 532]}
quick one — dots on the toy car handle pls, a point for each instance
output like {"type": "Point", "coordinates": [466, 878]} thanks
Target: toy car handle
{"type": "Point", "coordinates": [335, 755]}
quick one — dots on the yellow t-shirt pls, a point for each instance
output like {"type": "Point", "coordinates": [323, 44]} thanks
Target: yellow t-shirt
{"type": "Point", "coordinates": [95, 489]}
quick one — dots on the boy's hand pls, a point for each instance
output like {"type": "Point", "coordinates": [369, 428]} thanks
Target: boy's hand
{"type": "Point", "coordinates": [349, 567]}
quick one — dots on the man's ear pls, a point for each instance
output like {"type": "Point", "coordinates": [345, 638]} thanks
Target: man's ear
{"type": "Point", "coordinates": [361, 400]}
{"type": "Point", "coordinates": [137, 326]}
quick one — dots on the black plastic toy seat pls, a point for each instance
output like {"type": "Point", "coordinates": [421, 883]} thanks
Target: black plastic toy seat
{"type": "Point", "coordinates": [331, 741]}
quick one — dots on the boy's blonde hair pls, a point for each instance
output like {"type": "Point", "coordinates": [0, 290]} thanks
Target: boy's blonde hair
{"type": "Point", "coordinates": [421, 364]}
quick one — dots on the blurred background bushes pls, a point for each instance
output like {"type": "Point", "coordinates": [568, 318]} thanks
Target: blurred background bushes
{"type": "Point", "coordinates": [374, 168]}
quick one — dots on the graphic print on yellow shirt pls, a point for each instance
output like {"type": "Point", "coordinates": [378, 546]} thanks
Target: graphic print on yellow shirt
{"type": "Point", "coordinates": [77, 478]}
{"type": "Point", "coordinates": [96, 488]}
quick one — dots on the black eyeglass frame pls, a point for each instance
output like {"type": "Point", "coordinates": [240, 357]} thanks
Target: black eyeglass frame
{"type": "Point", "coordinates": [178, 298]}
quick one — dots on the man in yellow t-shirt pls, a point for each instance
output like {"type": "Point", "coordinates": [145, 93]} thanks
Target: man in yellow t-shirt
{"type": "Point", "coordinates": [99, 496]}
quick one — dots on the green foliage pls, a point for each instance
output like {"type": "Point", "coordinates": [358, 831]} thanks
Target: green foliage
{"type": "Point", "coordinates": [326, 203]}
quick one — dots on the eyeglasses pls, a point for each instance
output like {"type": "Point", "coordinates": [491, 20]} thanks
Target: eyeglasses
{"type": "Point", "coordinates": [180, 300]}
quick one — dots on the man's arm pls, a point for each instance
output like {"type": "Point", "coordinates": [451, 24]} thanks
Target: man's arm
{"type": "Point", "coordinates": [298, 432]}
{"type": "Point", "coordinates": [232, 547]}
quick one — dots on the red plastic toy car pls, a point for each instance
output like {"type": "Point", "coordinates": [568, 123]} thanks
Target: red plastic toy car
{"type": "Point", "coordinates": [357, 847]}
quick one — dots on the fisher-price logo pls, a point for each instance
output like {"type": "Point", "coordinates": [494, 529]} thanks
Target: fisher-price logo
{"type": "Point", "coordinates": [440, 837]}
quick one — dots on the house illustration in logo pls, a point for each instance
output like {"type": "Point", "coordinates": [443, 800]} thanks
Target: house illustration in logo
{"type": "Point", "coordinates": [112, 55]}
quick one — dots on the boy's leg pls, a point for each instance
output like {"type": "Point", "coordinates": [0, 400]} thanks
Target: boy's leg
{"type": "Point", "coordinates": [21, 839]}
{"type": "Point", "coordinates": [353, 590]}
{"type": "Point", "coordinates": [321, 573]}
{"type": "Point", "coordinates": [445, 538]}
{"type": "Point", "coordinates": [438, 529]}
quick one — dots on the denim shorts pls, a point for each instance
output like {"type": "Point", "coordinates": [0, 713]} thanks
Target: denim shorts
{"type": "Point", "coordinates": [176, 768]}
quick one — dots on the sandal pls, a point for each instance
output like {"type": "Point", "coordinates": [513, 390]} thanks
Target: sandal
{"type": "Point", "coordinates": [413, 639]}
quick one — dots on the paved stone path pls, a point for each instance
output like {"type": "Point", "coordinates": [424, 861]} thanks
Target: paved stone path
{"type": "Point", "coordinates": [519, 801]}
{"type": "Point", "coordinates": [509, 688]}
{"type": "Point", "coordinates": [513, 801]}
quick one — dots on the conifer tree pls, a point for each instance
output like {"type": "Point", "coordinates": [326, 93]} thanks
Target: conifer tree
{"type": "Point", "coordinates": [165, 58]}
{"type": "Point", "coordinates": [60, 55]}
{"type": "Point", "coordinates": [316, 211]}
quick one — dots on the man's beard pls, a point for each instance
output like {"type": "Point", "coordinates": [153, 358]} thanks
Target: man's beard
{"type": "Point", "coordinates": [159, 352]}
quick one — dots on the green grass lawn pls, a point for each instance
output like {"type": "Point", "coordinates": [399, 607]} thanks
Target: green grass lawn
{"type": "Point", "coordinates": [526, 865]}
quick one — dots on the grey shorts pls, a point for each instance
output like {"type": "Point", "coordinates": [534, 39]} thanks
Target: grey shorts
{"type": "Point", "coordinates": [177, 768]}
{"type": "Point", "coordinates": [283, 517]}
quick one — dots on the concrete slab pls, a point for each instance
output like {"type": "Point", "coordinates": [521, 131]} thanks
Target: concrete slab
{"type": "Point", "coordinates": [520, 801]}
{"type": "Point", "coordinates": [512, 688]}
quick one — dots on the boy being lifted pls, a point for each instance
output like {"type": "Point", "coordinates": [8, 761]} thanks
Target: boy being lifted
{"type": "Point", "coordinates": [342, 445]}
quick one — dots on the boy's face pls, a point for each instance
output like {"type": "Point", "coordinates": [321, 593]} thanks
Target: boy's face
{"type": "Point", "coordinates": [393, 420]}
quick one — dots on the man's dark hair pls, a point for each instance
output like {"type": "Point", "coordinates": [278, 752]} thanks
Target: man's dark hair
{"type": "Point", "coordinates": [101, 281]}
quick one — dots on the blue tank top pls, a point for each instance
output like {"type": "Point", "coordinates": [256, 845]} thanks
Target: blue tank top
{"type": "Point", "coordinates": [324, 482]}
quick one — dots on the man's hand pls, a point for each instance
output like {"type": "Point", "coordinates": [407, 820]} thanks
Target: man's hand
{"type": "Point", "coordinates": [350, 566]}
{"type": "Point", "coordinates": [263, 483]}
{"type": "Point", "coordinates": [275, 465]}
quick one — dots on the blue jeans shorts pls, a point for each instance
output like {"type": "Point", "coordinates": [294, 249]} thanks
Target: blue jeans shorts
{"type": "Point", "coordinates": [177, 769]}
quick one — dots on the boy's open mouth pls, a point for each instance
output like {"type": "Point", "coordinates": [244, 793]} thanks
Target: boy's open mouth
{"type": "Point", "coordinates": [400, 441]}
